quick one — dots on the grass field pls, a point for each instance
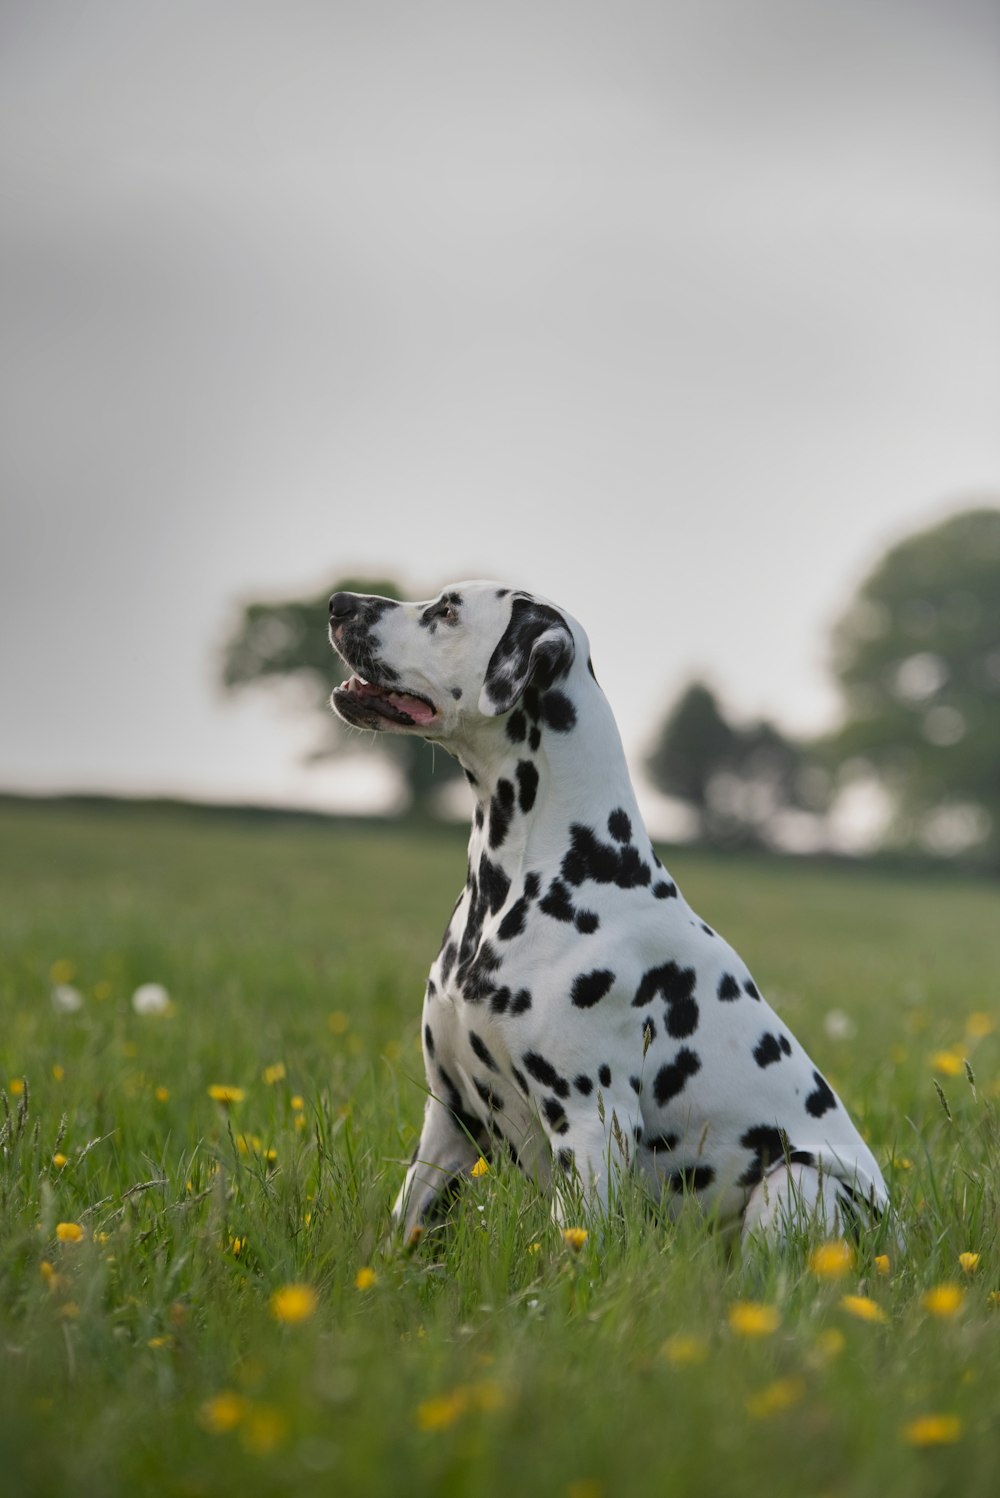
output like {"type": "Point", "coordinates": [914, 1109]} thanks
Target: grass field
{"type": "Point", "coordinates": [153, 1354]}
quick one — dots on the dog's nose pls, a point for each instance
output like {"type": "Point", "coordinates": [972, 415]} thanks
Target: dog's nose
{"type": "Point", "coordinates": [343, 605]}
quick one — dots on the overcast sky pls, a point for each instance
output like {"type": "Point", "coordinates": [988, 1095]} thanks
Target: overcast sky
{"type": "Point", "coordinates": [675, 312]}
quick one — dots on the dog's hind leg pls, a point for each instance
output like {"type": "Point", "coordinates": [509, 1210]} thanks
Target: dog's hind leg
{"type": "Point", "coordinates": [449, 1147]}
{"type": "Point", "coordinates": [796, 1198]}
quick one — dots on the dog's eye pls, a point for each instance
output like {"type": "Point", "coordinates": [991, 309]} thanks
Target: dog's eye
{"type": "Point", "coordinates": [444, 611]}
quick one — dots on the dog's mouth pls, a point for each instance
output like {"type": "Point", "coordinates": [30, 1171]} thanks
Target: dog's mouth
{"type": "Point", "coordinates": [368, 705]}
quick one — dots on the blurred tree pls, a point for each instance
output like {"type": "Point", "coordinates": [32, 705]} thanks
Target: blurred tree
{"type": "Point", "coordinates": [288, 641]}
{"type": "Point", "coordinates": [917, 655]}
{"type": "Point", "coordinates": [735, 780]}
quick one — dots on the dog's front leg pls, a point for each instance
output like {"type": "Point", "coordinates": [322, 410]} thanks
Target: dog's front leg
{"type": "Point", "coordinates": [445, 1155]}
{"type": "Point", "coordinates": [590, 1156]}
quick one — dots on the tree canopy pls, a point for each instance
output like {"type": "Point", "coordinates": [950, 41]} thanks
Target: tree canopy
{"type": "Point", "coordinates": [288, 641]}
{"type": "Point", "coordinates": [734, 779]}
{"type": "Point", "coordinates": [917, 656]}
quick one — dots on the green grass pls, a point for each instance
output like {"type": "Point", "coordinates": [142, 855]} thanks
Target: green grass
{"type": "Point", "coordinates": [495, 1359]}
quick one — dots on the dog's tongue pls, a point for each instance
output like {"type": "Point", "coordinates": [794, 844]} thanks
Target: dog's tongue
{"type": "Point", "coordinates": [413, 707]}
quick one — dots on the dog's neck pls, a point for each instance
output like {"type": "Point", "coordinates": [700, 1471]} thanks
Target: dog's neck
{"type": "Point", "coordinates": [572, 786]}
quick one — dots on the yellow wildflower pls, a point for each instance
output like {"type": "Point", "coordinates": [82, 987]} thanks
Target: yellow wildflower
{"type": "Point", "coordinates": [444, 1410]}
{"type": "Point", "coordinates": [969, 1262]}
{"type": "Point", "coordinates": [882, 1264]}
{"type": "Point", "coordinates": [298, 1102]}
{"type": "Point", "coordinates": [832, 1260]}
{"type": "Point", "coordinates": [933, 1430]}
{"type": "Point", "coordinates": [339, 1022]}
{"type": "Point", "coordinates": [62, 971]}
{"type": "Point", "coordinates": [294, 1303]}
{"type": "Point", "coordinates": [58, 1071]}
{"type": "Point", "coordinates": [69, 1309]}
{"type": "Point", "coordinates": [748, 1318]}
{"type": "Point", "coordinates": [364, 1279]}
{"type": "Point", "coordinates": [274, 1073]}
{"type": "Point", "coordinates": [157, 1342]}
{"type": "Point", "coordinates": [979, 1024]}
{"type": "Point", "coordinates": [575, 1238]}
{"type": "Point", "coordinates": [220, 1093]}
{"type": "Point", "coordinates": [948, 1063]}
{"type": "Point", "coordinates": [944, 1301]}
{"type": "Point", "coordinates": [162, 1094]}
{"type": "Point", "coordinates": [775, 1397]}
{"type": "Point", "coordinates": [681, 1350]}
{"type": "Point", "coordinates": [59, 1160]}
{"type": "Point", "coordinates": [223, 1412]}
{"type": "Point", "coordinates": [534, 1248]}
{"type": "Point", "coordinates": [69, 1232]}
{"type": "Point", "coordinates": [862, 1307]}
{"type": "Point", "coordinates": [15, 1086]}
{"type": "Point", "coordinates": [264, 1428]}
{"type": "Point", "coordinates": [481, 1168]}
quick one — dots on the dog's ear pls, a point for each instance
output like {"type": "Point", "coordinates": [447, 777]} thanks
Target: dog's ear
{"type": "Point", "coordinates": [537, 645]}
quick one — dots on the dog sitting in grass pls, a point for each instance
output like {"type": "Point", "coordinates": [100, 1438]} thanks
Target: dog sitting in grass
{"type": "Point", "coordinates": [579, 1011]}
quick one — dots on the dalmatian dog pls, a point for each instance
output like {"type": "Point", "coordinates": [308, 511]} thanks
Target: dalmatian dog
{"type": "Point", "coordinates": [578, 1010]}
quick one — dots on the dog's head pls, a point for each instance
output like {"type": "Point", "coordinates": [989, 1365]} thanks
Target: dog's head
{"type": "Point", "coordinates": [435, 668]}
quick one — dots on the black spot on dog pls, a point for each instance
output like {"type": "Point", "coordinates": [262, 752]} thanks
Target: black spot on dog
{"type": "Point", "coordinates": [690, 1178]}
{"type": "Point", "coordinates": [664, 889]}
{"type": "Point", "coordinates": [590, 988]}
{"type": "Point", "coordinates": [456, 692]}
{"type": "Point", "coordinates": [619, 826]}
{"type": "Point", "coordinates": [522, 1001]}
{"type": "Point", "coordinates": [676, 985]}
{"type": "Point", "coordinates": [534, 738]}
{"type": "Point", "coordinates": [707, 929]}
{"type": "Point", "coordinates": [429, 1040]}
{"type": "Point", "coordinates": [558, 712]}
{"type": "Point", "coordinates": [521, 1080]}
{"type": "Point", "coordinates": [801, 1157]}
{"type": "Point", "coordinates": [605, 863]}
{"type": "Point", "coordinates": [543, 1071]}
{"type": "Point", "coordinates": [448, 960]}
{"type": "Point", "coordinates": [567, 1161]}
{"type": "Point", "coordinates": [556, 1115]}
{"type": "Point", "coordinates": [492, 1100]}
{"type": "Point", "coordinates": [583, 1084]}
{"type": "Point", "coordinates": [586, 922]}
{"type": "Point", "coordinates": [494, 885]}
{"type": "Point", "coordinates": [513, 922]}
{"type": "Point", "coordinates": [822, 1100]}
{"type": "Point", "coordinates": [532, 884]}
{"type": "Point", "coordinates": [501, 810]}
{"type": "Point", "coordinates": [527, 784]}
{"type": "Point", "coordinates": [769, 1146]}
{"type": "Point", "coordinates": [517, 727]}
{"type": "Point", "coordinates": [431, 989]}
{"type": "Point", "coordinates": [729, 989]}
{"type": "Point", "coordinates": [483, 1051]}
{"type": "Point", "coordinates": [474, 976]}
{"type": "Point", "coordinates": [636, 1085]}
{"type": "Point", "coordinates": [767, 1050]}
{"type": "Point", "coordinates": [785, 1044]}
{"type": "Point", "coordinates": [604, 1075]}
{"type": "Point", "coordinates": [672, 1078]}
{"type": "Point", "coordinates": [479, 817]}
{"type": "Point", "coordinates": [557, 902]}
{"type": "Point", "coordinates": [662, 1142]}
{"type": "Point", "coordinates": [750, 987]}
{"type": "Point", "coordinates": [499, 1001]}
{"type": "Point", "coordinates": [453, 1098]}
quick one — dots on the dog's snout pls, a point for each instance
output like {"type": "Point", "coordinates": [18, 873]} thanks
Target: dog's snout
{"type": "Point", "coordinates": [343, 606]}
